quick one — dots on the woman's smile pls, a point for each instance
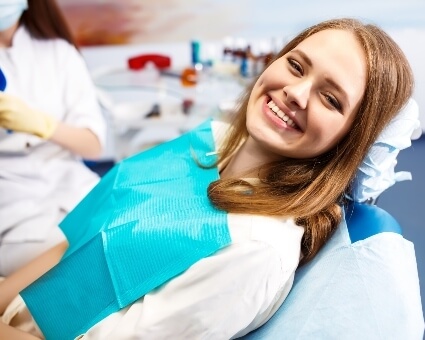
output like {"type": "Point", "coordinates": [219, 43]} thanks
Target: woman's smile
{"type": "Point", "coordinates": [284, 119]}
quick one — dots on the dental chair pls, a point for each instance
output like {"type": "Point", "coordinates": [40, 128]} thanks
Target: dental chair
{"type": "Point", "coordinates": [362, 285]}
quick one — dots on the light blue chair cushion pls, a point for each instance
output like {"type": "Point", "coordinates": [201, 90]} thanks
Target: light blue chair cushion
{"type": "Point", "coordinates": [362, 285]}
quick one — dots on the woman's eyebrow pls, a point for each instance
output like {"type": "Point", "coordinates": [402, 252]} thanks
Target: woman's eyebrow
{"type": "Point", "coordinates": [330, 81]}
{"type": "Point", "coordinates": [304, 56]}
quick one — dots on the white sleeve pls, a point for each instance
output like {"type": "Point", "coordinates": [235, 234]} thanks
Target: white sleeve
{"type": "Point", "coordinates": [80, 97]}
{"type": "Point", "coordinates": [220, 297]}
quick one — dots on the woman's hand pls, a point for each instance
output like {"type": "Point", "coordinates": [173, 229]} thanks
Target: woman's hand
{"type": "Point", "coordinates": [15, 115]}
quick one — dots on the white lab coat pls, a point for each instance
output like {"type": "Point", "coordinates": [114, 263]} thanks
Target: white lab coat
{"type": "Point", "coordinates": [39, 180]}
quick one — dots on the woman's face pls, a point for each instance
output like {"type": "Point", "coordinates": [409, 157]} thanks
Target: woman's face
{"type": "Point", "coordinates": [307, 100]}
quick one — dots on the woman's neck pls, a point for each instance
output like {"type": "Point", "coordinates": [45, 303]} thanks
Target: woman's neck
{"type": "Point", "coordinates": [246, 161]}
{"type": "Point", "coordinates": [6, 36]}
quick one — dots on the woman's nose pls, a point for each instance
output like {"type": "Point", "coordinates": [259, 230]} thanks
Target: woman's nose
{"type": "Point", "coordinates": [298, 93]}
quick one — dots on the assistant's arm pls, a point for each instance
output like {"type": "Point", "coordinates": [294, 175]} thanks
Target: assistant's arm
{"type": "Point", "coordinates": [76, 124]}
{"type": "Point", "coordinates": [80, 141]}
{"type": "Point", "coordinates": [83, 131]}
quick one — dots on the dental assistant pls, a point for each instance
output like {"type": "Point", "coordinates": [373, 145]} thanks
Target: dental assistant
{"type": "Point", "coordinates": [49, 120]}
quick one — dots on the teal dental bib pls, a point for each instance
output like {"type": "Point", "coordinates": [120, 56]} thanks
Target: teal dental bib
{"type": "Point", "coordinates": [148, 220]}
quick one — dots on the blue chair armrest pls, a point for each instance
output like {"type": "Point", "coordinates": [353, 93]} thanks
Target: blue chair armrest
{"type": "Point", "coordinates": [364, 220]}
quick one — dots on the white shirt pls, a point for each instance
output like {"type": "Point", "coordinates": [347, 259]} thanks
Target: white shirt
{"type": "Point", "coordinates": [38, 177]}
{"type": "Point", "coordinates": [223, 296]}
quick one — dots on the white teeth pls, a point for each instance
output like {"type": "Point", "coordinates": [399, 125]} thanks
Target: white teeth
{"type": "Point", "coordinates": [280, 113]}
{"type": "Point", "coordinates": [275, 109]}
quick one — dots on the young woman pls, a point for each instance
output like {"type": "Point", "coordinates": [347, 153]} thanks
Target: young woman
{"type": "Point", "coordinates": [283, 170]}
{"type": "Point", "coordinates": [49, 120]}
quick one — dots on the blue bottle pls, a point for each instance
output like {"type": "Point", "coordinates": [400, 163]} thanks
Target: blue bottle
{"type": "Point", "coordinates": [196, 52]}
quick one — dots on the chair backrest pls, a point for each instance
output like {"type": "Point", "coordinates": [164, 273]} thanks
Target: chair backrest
{"type": "Point", "coordinates": [378, 221]}
{"type": "Point", "coordinates": [362, 285]}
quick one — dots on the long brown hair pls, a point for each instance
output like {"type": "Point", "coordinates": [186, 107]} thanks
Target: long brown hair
{"type": "Point", "coordinates": [45, 20]}
{"type": "Point", "coordinates": [311, 190]}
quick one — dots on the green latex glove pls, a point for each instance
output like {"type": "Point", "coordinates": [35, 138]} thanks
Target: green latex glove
{"type": "Point", "coordinates": [17, 116]}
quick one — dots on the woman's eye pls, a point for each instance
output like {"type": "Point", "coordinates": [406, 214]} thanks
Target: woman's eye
{"type": "Point", "coordinates": [295, 65]}
{"type": "Point", "coordinates": [333, 101]}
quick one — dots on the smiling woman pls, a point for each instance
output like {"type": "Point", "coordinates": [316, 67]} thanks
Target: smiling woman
{"type": "Point", "coordinates": [315, 91]}
{"type": "Point", "coordinates": [273, 196]}
{"type": "Point", "coordinates": [311, 188]}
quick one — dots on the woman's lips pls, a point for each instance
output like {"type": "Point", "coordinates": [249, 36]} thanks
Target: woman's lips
{"type": "Point", "coordinates": [281, 115]}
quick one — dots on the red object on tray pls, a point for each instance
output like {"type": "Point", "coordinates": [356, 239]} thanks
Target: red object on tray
{"type": "Point", "coordinates": [139, 62]}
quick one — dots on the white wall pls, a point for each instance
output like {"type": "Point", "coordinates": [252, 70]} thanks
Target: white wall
{"type": "Point", "coordinates": [412, 41]}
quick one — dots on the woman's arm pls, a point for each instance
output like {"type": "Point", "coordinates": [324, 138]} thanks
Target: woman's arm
{"type": "Point", "coordinates": [13, 284]}
{"type": "Point", "coordinates": [8, 332]}
{"type": "Point", "coordinates": [80, 141]}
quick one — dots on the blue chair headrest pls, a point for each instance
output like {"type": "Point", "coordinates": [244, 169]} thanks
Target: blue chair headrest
{"type": "Point", "coordinates": [364, 220]}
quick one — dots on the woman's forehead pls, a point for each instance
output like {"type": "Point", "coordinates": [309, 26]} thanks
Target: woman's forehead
{"type": "Point", "coordinates": [338, 57]}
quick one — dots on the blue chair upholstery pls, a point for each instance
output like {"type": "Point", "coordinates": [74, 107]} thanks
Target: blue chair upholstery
{"type": "Point", "coordinates": [378, 221]}
{"type": "Point", "coordinates": [363, 285]}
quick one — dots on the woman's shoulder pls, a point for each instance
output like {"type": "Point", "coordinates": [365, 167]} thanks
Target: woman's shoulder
{"type": "Point", "coordinates": [219, 127]}
{"type": "Point", "coordinates": [54, 47]}
{"type": "Point", "coordinates": [281, 234]}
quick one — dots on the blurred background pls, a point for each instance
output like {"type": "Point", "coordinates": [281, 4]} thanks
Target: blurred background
{"type": "Point", "coordinates": [112, 31]}
{"type": "Point", "coordinates": [124, 22]}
